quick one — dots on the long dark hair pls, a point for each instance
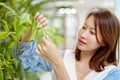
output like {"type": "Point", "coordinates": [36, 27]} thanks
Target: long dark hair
{"type": "Point", "coordinates": [109, 28]}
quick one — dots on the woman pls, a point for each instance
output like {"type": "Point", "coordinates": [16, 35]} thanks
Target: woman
{"type": "Point", "coordinates": [94, 57]}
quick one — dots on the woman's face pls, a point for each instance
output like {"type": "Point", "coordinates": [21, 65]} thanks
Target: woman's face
{"type": "Point", "coordinates": [87, 37]}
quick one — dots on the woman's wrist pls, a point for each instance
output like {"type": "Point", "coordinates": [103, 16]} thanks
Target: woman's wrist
{"type": "Point", "coordinates": [57, 61]}
{"type": "Point", "coordinates": [27, 35]}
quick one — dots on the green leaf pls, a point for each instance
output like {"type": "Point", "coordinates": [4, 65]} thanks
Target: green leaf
{"type": "Point", "coordinates": [10, 13]}
{"type": "Point", "coordinates": [34, 30]}
{"type": "Point", "coordinates": [11, 45]}
{"type": "Point", "coordinates": [15, 24]}
{"type": "Point", "coordinates": [14, 37]}
{"type": "Point", "coordinates": [3, 4]}
{"type": "Point", "coordinates": [3, 35]}
{"type": "Point", "coordinates": [25, 18]}
{"type": "Point", "coordinates": [6, 25]}
{"type": "Point", "coordinates": [1, 75]}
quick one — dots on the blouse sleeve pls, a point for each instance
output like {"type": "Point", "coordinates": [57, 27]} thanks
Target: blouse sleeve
{"type": "Point", "coordinates": [31, 61]}
{"type": "Point", "coordinates": [114, 74]}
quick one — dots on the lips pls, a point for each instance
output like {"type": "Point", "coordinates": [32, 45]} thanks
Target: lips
{"type": "Point", "coordinates": [81, 42]}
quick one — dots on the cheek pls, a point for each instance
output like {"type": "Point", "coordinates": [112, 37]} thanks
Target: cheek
{"type": "Point", "coordinates": [92, 41]}
{"type": "Point", "coordinates": [93, 46]}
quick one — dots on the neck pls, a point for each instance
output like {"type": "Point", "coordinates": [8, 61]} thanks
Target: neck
{"type": "Point", "coordinates": [86, 55]}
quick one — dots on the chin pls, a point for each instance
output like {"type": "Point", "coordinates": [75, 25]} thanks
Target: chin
{"type": "Point", "coordinates": [80, 47]}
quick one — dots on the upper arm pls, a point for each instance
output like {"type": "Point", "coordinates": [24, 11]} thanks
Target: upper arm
{"type": "Point", "coordinates": [29, 60]}
{"type": "Point", "coordinates": [114, 74]}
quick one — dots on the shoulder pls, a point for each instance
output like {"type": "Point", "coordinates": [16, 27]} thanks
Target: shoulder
{"type": "Point", "coordinates": [113, 74]}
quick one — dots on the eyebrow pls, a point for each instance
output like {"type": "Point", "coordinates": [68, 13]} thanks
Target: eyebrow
{"type": "Point", "coordinates": [90, 26]}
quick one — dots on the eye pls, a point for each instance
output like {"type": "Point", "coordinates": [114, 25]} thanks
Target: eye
{"type": "Point", "coordinates": [83, 27]}
{"type": "Point", "coordinates": [92, 32]}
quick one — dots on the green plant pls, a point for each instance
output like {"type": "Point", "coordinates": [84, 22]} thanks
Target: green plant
{"type": "Point", "coordinates": [12, 27]}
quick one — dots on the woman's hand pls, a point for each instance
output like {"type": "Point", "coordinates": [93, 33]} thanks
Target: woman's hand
{"type": "Point", "coordinates": [42, 20]}
{"type": "Point", "coordinates": [48, 50]}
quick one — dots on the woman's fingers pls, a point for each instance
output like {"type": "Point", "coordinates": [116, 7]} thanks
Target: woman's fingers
{"type": "Point", "coordinates": [45, 41]}
{"type": "Point", "coordinates": [47, 49]}
{"type": "Point", "coordinates": [36, 15]}
{"type": "Point", "coordinates": [40, 17]}
{"type": "Point", "coordinates": [39, 49]}
{"type": "Point", "coordinates": [42, 46]}
{"type": "Point", "coordinates": [42, 21]}
{"type": "Point", "coordinates": [39, 52]}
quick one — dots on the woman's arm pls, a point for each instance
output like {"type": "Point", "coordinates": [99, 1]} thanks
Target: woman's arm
{"type": "Point", "coordinates": [30, 61]}
{"type": "Point", "coordinates": [60, 70]}
{"type": "Point", "coordinates": [48, 50]}
{"type": "Point", "coordinates": [27, 35]}
{"type": "Point", "coordinates": [25, 52]}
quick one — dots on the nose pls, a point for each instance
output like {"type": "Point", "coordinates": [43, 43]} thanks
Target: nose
{"type": "Point", "coordinates": [84, 34]}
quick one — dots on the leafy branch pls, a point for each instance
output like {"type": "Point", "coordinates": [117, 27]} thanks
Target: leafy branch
{"type": "Point", "coordinates": [12, 27]}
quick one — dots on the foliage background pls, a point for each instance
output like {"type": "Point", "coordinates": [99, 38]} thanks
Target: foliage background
{"type": "Point", "coordinates": [15, 18]}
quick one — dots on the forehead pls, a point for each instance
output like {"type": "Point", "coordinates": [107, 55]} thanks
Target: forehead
{"type": "Point", "coordinates": [90, 22]}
